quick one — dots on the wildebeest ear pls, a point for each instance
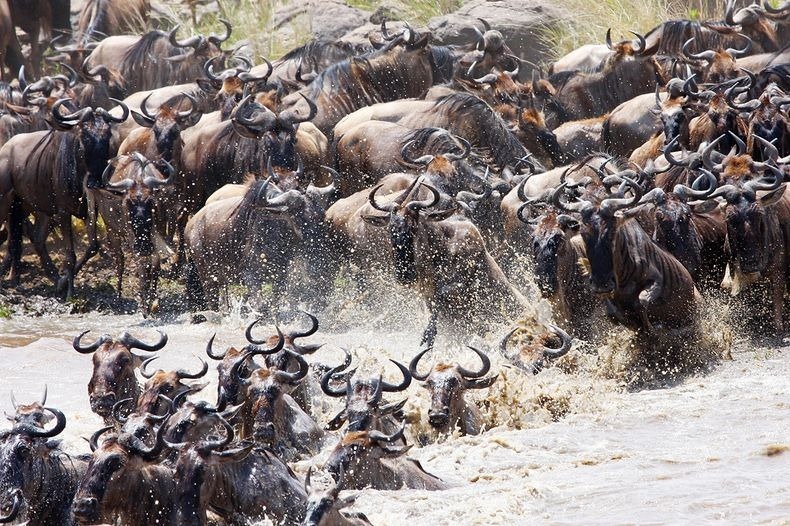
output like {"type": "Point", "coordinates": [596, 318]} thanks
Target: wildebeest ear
{"type": "Point", "coordinates": [440, 215]}
{"type": "Point", "coordinates": [206, 85]}
{"type": "Point", "coordinates": [113, 192]}
{"type": "Point", "coordinates": [375, 220]}
{"type": "Point", "coordinates": [142, 120]}
{"type": "Point", "coordinates": [704, 207]}
{"type": "Point", "coordinates": [567, 222]}
{"type": "Point", "coordinates": [771, 198]}
{"type": "Point", "coordinates": [422, 42]}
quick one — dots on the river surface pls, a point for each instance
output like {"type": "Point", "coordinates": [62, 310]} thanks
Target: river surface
{"type": "Point", "coordinates": [568, 446]}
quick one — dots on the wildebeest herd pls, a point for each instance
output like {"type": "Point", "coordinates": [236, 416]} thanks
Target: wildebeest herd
{"type": "Point", "coordinates": [632, 181]}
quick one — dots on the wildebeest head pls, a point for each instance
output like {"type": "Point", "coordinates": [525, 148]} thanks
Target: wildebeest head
{"type": "Point", "coordinates": [253, 120]}
{"type": "Point", "coordinates": [532, 356]}
{"type": "Point", "coordinates": [30, 414]}
{"type": "Point", "coordinates": [598, 230]}
{"type": "Point", "coordinates": [116, 458]}
{"type": "Point", "coordinates": [323, 506]}
{"type": "Point", "coordinates": [358, 458]}
{"type": "Point", "coordinates": [167, 124]}
{"type": "Point", "coordinates": [551, 234]}
{"type": "Point", "coordinates": [623, 50]}
{"type": "Point", "coordinates": [231, 85]}
{"type": "Point", "coordinates": [93, 128]}
{"type": "Point", "coordinates": [235, 363]}
{"type": "Point", "coordinates": [113, 369]}
{"type": "Point", "coordinates": [167, 383]}
{"type": "Point", "coordinates": [402, 217]}
{"type": "Point", "coordinates": [720, 64]}
{"type": "Point", "coordinates": [110, 82]}
{"type": "Point", "coordinates": [193, 421]}
{"type": "Point", "coordinates": [265, 387]}
{"type": "Point", "coordinates": [282, 360]}
{"type": "Point", "coordinates": [752, 230]}
{"type": "Point", "coordinates": [363, 396]}
{"type": "Point", "coordinates": [198, 49]}
{"type": "Point", "coordinates": [138, 182]}
{"type": "Point", "coordinates": [674, 217]}
{"type": "Point", "coordinates": [447, 383]}
{"type": "Point", "coordinates": [24, 451]}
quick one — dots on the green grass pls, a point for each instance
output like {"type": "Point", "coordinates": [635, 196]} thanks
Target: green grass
{"type": "Point", "coordinates": [5, 312]}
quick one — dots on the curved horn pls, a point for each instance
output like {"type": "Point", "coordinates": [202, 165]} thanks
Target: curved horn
{"type": "Point", "coordinates": [564, 348]}
{"type": "Point", "coordinates": [210, 349]}
{"type": "Point", "coordinates": [609, 43]}
{"type": "Point", "coordinates": [13, 513]}
{"type": "Point", "coordinates": [391, 388]}
{"type": "Point", "coordinates": [708, 151]}
{"type": "Point", "coordinates": [143, 368]}
{"type": "Point", "coordinates": [149, 453]}
{"type": "Point", "coordinates": [295, 377]}
{"type": "Point", "coordinates": [309, 332]}
{"type": "Point", "coordinates": [94, 440]}
{"type": "Point", "coordinates": [310, 116]}
{"type": "Point", "coordinates": [131, 342]}
{"type": "Point", "coordinates": [124, 115]}
{"type": "Point", "coordinates": [372, 200]}
{"type": "Point", "coordinates": [207, 446]}
{"type": "Point", "coordinates": [326, 387]}
{"type": "Point", "coordinates": [611, 205]}
{"type": "Point", "coordinates": [35, 431]}
{"type": "Point", "coordinates": [737, 53]}
{"type": "Point", "coordinates": [486, 365]}
{"type": "Point", "coordinates": [685, 193]}
{"type": "Point", "coordinates": [87, 349]}
{"type": "Point", "coordinates": [191, 42]}
{"type": "Point", "coordinates": [578, 207]}
{"type": "Point", "coordinates": [217, 40]}
{"type": "Point", "coordinates": [416, 206]}
{"type": "Point", "coordinates": [413, 366]}
{"type": "Point", "coordinates": [116, 410]}
{"type": "Point", "coordinates": [642, 43]}
{"type": "Point", "coordinates": [706, 55]}
{"type": "Point", "coordinates": [464, 154]}
{"type": "Point", "coordinates": [184, 375]}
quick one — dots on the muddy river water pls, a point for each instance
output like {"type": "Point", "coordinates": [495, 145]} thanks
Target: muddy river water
{"type": "Point", "coordinates": [568, 446]}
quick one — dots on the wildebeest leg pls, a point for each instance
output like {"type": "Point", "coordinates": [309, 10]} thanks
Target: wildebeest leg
{"type": "Point", "coordinates": [429, 335]}
{"type": "Point", "coordinates": [67, 278]}
{"type": "Point", "coordinates": [196, 299]}
{"type": "Point", "coordinates": [39, 239]}
{"type": "Point", "coordinates": [115, 240]}
{"type": "Point", "coordinates": [91, 224]}
{"type": "Point", "coordinates": [646, 299]}
{"type": "Point", "coordinates": [15, 227]}
{"type": "Point", "coordinates": [777, 298]}
{"type": "Point", "coordinates": [149, 274]}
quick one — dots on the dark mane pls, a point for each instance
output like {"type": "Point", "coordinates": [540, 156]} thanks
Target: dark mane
{"type": "Point", "coordinates": [471, 118]}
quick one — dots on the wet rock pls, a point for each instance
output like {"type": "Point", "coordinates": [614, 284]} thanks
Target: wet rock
{"type": "Point", "coordinates": [327, 19]}
{"type": "Point", "coordinates": [519, 21]}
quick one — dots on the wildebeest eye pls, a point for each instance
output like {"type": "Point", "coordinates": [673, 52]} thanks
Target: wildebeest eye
{"type": "Point", "coordinates": [23, 449]}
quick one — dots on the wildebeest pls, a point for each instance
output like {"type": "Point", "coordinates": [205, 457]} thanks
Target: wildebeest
{"type": "Point", "coordinates": [239, 484]}
{"type": "Point", "coordinates": [270, 416]}
{"type": "Point", "coordinates": [124, 482]}
{"type": "Point", "coordinates": [447, 384]}
{"type": "Point", "coordinates": [130, 204]}
{"type": "Point", "coordinates": [367, 460]}
{"type": "Point", "coordinates": [440, 252]}
{"type": "Point", "coordinates": [363, 408]}
{"type": "Point", "coordinates": [113, 369]}
{"type": "Point", "coordinates": [533, 356]}
{"type": "Point", "coordinates": [157, 59]}
{"type": "Point", "coordinates": [758, 234]}
{"type": "Point", "coordinates": [324, 507]}
{"type": "Point", "coordinates": [645, 287]}
{"type": "Point", "coordinates": [47, 173]}
{"type": "Point", "coordinates": [37, 478]}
